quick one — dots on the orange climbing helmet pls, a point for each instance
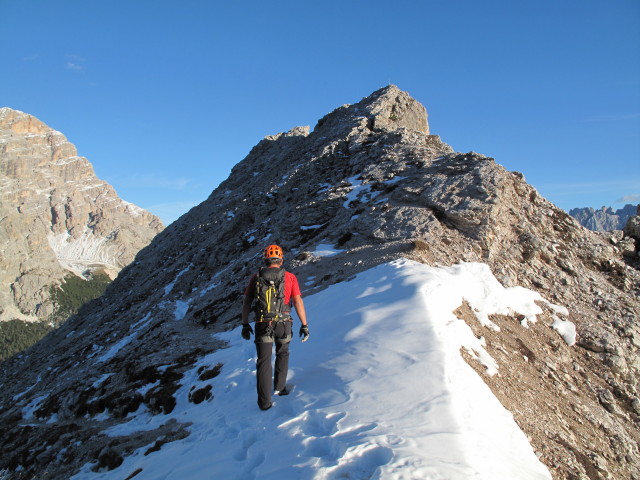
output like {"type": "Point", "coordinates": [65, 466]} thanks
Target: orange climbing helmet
{"type": "Point", "coordinates": [273, 251]}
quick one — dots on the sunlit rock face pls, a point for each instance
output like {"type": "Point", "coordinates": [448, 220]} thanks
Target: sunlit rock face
{"type": "Point", "coordinates": [56, 217]}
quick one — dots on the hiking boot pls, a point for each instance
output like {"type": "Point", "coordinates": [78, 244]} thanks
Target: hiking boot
{"type": "Point", "coordinates": [267, 407]}
{"type": "Point", "coordinates": [283, 392]}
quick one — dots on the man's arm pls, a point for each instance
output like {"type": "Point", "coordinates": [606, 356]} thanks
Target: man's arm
{"type": "Point", "coordinates": [248, 300]}
{"type": "Point", "coordinates": [246, 309]}
{"type": "Point", "coordinates": [298, 304]}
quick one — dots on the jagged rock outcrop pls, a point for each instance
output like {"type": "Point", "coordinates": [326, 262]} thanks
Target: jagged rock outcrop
{"type": "Point", "coordinates": [604, 219]}
{"type": "Point", "coordinates": [56, 217]}
{"type": "Point", "coordinates": [632, 229]}
{"type": "Point", "coordinates": [370, 182]}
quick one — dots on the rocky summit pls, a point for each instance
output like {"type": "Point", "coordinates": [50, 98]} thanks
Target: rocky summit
{"type": "Point", "coordinates": [369, 184]}
{"type": "Point", "coordinates": [56, 218]}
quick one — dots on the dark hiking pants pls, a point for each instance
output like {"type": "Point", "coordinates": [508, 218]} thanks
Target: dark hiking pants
{"type": "Point", "coordinates": [267, 380]}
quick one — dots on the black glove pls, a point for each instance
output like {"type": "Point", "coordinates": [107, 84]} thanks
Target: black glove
{"type": "Point", "coordinates": [304, 332]}
{"type": "Point", "coordinates": [246, 331]}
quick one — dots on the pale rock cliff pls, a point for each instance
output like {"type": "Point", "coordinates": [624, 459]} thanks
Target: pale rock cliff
{"type": "Point", "coordinates": [56, 217]}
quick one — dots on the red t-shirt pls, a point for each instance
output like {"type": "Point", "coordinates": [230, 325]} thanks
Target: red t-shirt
{"type": "Point", "coordinates": [291, 287]}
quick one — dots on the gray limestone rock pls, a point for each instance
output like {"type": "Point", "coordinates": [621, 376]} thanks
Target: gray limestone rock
{"type": "Point", "coordinates": [632, 228]}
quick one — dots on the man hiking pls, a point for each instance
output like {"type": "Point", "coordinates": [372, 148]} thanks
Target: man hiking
{"type": "Point", "coordinates": [271, 292]}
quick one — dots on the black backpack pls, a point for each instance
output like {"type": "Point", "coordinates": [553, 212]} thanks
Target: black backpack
{"type": "Point", "coordinates": [269, 294]}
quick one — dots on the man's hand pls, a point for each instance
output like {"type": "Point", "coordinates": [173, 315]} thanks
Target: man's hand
{"type": "Point", "coordinates": [304, 332]}
{"type": "Point", "coordinates": [246, 331]}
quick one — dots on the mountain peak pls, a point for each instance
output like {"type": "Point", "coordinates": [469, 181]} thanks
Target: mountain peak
{"type": "Point", "coordinates": [391, 108]}
{"type": "Point", "coordinates": [20, 123]}
{"type": "Point", "coordinates": [386, 109]}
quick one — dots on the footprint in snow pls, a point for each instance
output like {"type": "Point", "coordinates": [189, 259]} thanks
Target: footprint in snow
{"type": "Point", "coordinates": [249, 438]}
{"type": "Point", "coordinates": [318, 424]}
{"type": "Point", "coordinates": [360, 462]}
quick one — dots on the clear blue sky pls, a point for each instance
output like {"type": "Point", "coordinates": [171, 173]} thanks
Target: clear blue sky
{"type": "Point", "coordinates": [165, 97]}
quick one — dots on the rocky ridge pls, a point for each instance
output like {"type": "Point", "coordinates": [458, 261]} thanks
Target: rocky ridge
{"type": "Point", "coordinates": [604, 219]}
{"type": "Point", "coordinates": [371, 182]}
{"type": "Point", "coordinates": [56, 217]}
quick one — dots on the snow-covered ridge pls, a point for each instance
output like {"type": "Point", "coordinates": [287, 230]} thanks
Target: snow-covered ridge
{"type": "Point", "coordinates": [381, 392]}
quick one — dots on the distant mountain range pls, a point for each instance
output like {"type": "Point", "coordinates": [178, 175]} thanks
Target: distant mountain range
{"type": "Point", "coordinates": [604, 219]}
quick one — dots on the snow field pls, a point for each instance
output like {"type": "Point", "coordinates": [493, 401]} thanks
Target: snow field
{"type": "Point", "coordinates": [75, 255]}
{"type": "Point", "coordinates": [381, 392]}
